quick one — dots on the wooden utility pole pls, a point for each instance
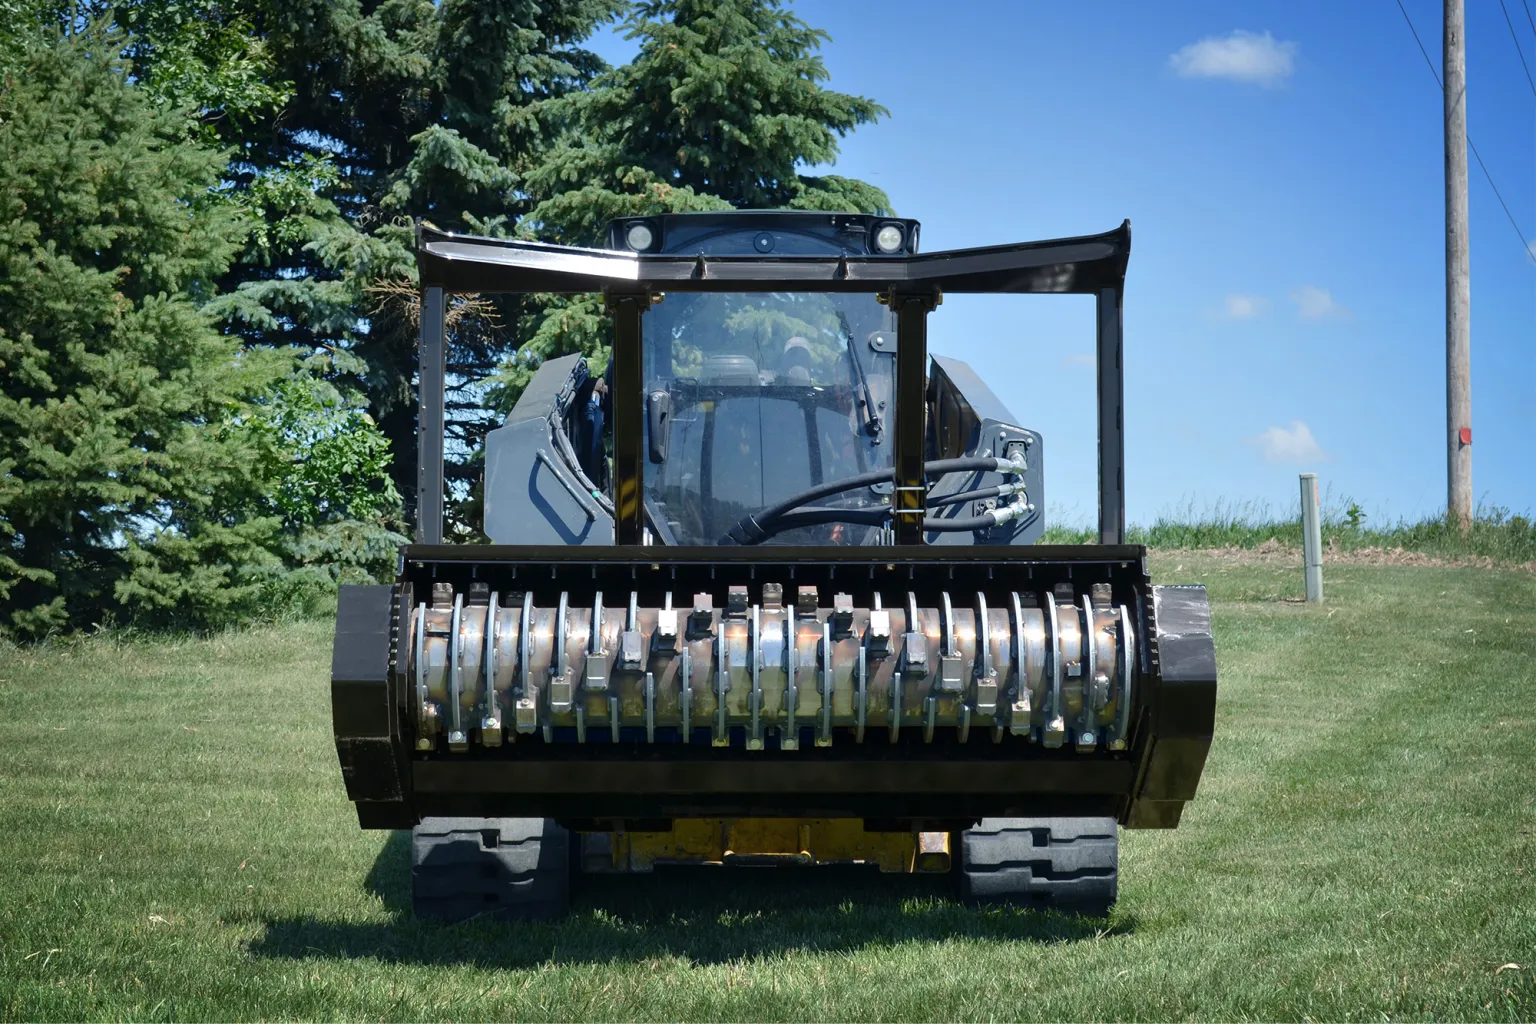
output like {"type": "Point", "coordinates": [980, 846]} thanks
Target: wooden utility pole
{"type": "Point", "coordinates": [1458, 280]}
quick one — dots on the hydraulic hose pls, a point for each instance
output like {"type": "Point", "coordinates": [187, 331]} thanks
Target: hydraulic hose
{"type": "Point", "coordinates": [815, 515]}
{"type": "Point", "coordinates": [757, 526]}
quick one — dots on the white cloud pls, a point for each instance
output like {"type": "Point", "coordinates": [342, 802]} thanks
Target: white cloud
{"type": "Point", "coordinates": [1239, 57]}
{"type": "Point", "coordinates": [1245, 307]}
{"type": "Point", "coordinates": [1079, 361]}
{"type": "Point", "coordinates": [1290, 444]}
{"type": "Point", "coordinates": [1313, 303]}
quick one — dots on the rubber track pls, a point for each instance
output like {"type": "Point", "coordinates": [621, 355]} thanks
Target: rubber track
{"type": "Point", "coordinates": [1066, 864]}
{"type": "Point", "coordinates": [512, 868]}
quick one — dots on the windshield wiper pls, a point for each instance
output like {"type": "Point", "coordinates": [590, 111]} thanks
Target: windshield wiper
{"type": "Point", "coordinates": [872, 425]}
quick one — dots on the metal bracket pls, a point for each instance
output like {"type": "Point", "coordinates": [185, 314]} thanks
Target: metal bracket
{"type": "Point", "coordinates": [650, 709]}
{"type": "Point", "coordinates": [685, 696]}
{"type": "Point", "coordinates": [755, 698]}
{"type": "Point", "coordinates": [985, 697]}
{"type": "Point", "coordinates": [789, 739]}
{"type": "Point", "coordinates": [722, 735]}
{"type": "Point", "coordinates": [1087, 738]}
{"type": "Point", "coordinates": [861, 697]}
{"type": "Point", "coordinates": [1021, 711]}
{"type": "Point", "coordinates": [419, 645]}
{"type": "Point", "coordinates": [1055, 725]}
{"type": "Point", "coordinates": [457, 739]}
{"type": "Point", "coordinates": [490, 708]}
{"type": "Point", "coordinates": [595, 669]}
{"type": "Point", "coordinates": [950, 678]}
{"type": "Point", "coordinates": [824, 736]}
{"type": "Point", "coordinates": [559, 674]}
{"type": "Point", "coordinates": [526, 696]}
{"type": "Point", "coordinates": [1125, 669]}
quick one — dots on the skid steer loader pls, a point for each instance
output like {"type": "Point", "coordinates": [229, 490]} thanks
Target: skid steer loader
{"type": "Point", "coordinates": [768, 591]}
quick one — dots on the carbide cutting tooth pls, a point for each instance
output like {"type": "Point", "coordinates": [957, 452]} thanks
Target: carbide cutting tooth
{"type": "Point", "coordinates": [595, 671]}
{"type": "Point", "coordinates": [842, 615]}
{"type": "Point", "coordinates": [701, 621]}
{"type": "Point", "coordinates": [527, 715]}
{"type": "Point", "coordinates": [879, 633]}
{"type": "Point", "coordinates": [736, 602]}
{"type": "Point", "coordinates": [664, 640]}
{"type": "Point", "coordinates": [631, 649]}
{"type": "Point", "coordinates": [914, 647]}
{"type": "Point", "coordinates": [560, 692]}
{"type": "Point", "coordinates": [951, 673]}
{"type": "Point", "coordinates": [807, 599]}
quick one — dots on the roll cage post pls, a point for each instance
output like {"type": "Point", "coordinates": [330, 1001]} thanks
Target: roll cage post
{"type": "Point", "coordinates": [626, 308]}
{"type": "Point", "coordinates": [909, 500]}
{"type": "Point", "coordinates": [911, 285]}
{"type": "Point", "coordinates": [431, 397]}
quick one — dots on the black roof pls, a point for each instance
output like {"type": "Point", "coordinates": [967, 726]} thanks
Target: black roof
{"type": "Point", "coordinates": [464, 263]}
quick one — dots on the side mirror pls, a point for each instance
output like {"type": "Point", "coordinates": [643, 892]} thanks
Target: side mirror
{"type": "Point", "coordinates": [658, 421]}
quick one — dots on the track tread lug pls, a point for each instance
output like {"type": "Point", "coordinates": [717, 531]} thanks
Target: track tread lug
{"type": "Point", "coordinates": [509, 868]}
{"type": "Point", "coordinates": [1066, 864]}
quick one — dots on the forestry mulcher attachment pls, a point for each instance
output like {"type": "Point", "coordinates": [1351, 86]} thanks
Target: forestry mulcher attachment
{"type": "Point", "coordinates": [767, 591]}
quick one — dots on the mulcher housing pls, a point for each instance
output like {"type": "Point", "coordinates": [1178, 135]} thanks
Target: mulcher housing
{"type": "Point", "coordinates": [944, 671]}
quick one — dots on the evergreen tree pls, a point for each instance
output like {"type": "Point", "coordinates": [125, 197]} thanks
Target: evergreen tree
{"type": "Point", "coordinates": [345, 119]}
{"type": "Point", "coordinates": [123, 457]}
{"type": "Point", "coordinates": [723, 108]}
{"type": "Point", "coordinates": [398, 109]}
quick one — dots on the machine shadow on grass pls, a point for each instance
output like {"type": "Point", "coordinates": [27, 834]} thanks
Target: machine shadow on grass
{"type": "Point", "coordinates": [701, 915]}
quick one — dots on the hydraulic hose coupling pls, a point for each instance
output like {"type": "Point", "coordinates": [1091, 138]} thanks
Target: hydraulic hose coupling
{"type": "Point", "coordinates": [1009, 512]}
{"type": "Point", "coordinates": [1055, 667]}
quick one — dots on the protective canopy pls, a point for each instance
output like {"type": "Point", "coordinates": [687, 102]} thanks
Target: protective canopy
{"type": "Point", "coordinates": [464, 263]}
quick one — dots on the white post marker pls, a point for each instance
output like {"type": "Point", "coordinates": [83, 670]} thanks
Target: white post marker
{"type": "Point", "coordinates": [1311, 537]}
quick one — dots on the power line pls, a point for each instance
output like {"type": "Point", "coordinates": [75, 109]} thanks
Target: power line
{"type": "Point", "coordinates": [1524, 245]}
{"type": "Point", "coordinates": [1528, 15]}
{"type": "Point", "coordinates": [1523, 64]}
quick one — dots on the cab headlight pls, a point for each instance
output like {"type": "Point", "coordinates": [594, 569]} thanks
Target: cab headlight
{"type": "Point", "coordinates": [639, 237]}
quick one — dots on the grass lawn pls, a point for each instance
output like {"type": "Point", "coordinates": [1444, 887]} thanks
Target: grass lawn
{"type": "Point", "coordinates": [175, 843]}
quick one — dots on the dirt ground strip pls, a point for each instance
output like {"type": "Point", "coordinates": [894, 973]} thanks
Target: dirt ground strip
{"type": "Point", "coordinates": [1272, 552]}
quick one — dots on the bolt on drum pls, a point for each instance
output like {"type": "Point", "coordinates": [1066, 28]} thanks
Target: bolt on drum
{"type": "Point", "coordinates": [1056, 667]}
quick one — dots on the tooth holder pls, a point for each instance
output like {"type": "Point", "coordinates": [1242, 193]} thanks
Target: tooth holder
{"type": "Point", "coordinates": [1050, 667]}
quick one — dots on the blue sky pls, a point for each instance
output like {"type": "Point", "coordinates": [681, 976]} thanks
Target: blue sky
{"type": "Point", "coordinates": [1285, 301]}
